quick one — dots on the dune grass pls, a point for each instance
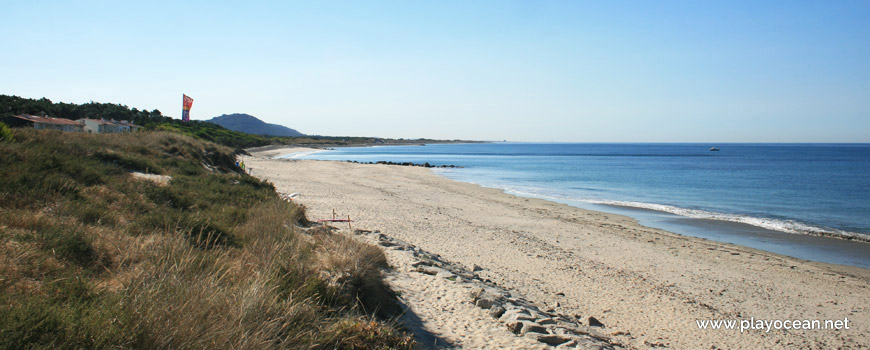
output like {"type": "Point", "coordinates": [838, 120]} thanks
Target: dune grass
{"type": "Point", "coordinates": [92, 257]}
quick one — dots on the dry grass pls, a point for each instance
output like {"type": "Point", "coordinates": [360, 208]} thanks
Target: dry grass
{"type": "Point", "coordinates": [93, 258]}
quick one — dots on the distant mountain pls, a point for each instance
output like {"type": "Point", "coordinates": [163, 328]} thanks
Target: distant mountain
{"type": "Point", "coordinates": [249, 124]}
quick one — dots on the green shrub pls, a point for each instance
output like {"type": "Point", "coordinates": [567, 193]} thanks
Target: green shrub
{"type": "Point", "coordinates": [33, 325]}
{"type": "Point", "coordinates": [170, 196]}
{"type": "Point", "coordinates": [70, 244]}
{"type": "Point", "coordinates": [206, 234]}
{"type": "Point", "coordinates": [73, 289]}
{"type": "Point", "coordinates": [128, 161]}
{"type": "Point", "coordinates": [6, 133]}
{"type": "Point", "coordinates": [361, 333]}
{"type": "Point", "coordinates": [91, 213]}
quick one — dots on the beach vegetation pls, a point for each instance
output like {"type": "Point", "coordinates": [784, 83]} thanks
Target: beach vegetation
{"type": "Point", "coordinates": [6, 133]}
{"type": "Point", "coordinates": [94, 257]}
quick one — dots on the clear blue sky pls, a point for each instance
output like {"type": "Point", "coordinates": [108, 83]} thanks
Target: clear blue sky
{"type": "Point", "coordinates": [658, 71]}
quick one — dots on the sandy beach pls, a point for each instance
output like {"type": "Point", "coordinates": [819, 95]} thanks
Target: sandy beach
{"type": "Point", "coordinates": [648, 287]}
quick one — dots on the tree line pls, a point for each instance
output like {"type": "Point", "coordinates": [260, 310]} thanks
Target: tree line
{"type": "Point", "coordinates": [151, 120]}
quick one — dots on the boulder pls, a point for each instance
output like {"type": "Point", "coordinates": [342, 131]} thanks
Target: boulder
{"type": "Point", "coordinates": [422, 263]}
{"type": "Point", "coordinates": [434, 271]}
{"type": "Point", "coordinates": [547, 321]}
{"type": "Point", "coordinates": [572, 344]}
{"type": "Point", "coordinates": [523, 327]}
{"type": "Point", "coordinates": [429, 270]}
{"type": "Point", "coordinates": [484, 303]}
{"type": "Point", "coordinates": [514, 315]}
{"type": "Point", "coordinates": [553, 339]}
{"type": "Point", "coordinates": [496, 311]}
{"type": "Point", "coordinates": [594, 322]}
{"type": "Point", "coordinates": [487, 297]}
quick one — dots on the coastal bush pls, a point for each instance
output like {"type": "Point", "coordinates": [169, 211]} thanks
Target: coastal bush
{"type": "Point", "coordinates": [361, 333]}
{"type": "Point", "coordinates": [91, 257]}
{"type": "Point", "coordinates": [354, 270]}
{"type": "Point", "coordinates": [91, 212]}
{"type": "Point", "coordinates": [68, 243]}
{"type": "Point", "coordinates": [6, 133]}
{"type": "Point", "coordinates": [127, 161]}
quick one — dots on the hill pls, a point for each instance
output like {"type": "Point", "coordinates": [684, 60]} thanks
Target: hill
{"type": "Point", "coordinates": [249, 124]}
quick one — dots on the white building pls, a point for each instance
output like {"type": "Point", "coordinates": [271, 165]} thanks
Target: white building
{"type": "Point", "coordinates": [103, 126]}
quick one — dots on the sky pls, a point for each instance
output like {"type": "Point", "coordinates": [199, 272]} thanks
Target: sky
{"type": "Point", "coordinates": [548, 71]}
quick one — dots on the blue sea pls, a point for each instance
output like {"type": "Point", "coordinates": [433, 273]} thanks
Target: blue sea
{"type": "Point", "coordinates": [786, 198]}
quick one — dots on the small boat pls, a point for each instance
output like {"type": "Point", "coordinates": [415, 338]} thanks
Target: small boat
{"type": "Point", "coordinates": [713, 149]}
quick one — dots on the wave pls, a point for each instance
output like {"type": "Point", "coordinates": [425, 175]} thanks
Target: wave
{"type": "Point", "coordinates": [781, 225]}
{"type": "Point", "coordinates": [298, 154]}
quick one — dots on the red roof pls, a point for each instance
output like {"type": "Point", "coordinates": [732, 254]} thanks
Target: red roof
{"type": "Point", "coordinates": [47, 120]}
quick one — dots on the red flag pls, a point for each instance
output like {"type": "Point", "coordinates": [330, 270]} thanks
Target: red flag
{"type": "Point", "coordinates": [187, 102]}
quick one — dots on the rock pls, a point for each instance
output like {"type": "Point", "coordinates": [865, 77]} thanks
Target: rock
{"type": "Point", "coordinates": [475, 268]}
{"type": "Point", "coordinates": [487, 297]}
{"type": "Point", "coordinates": [572, 344]}
{"type": "Point", "coordinates": [387, 244]}
{"type": "Point", "coordinates": [531, 327]}
{"type": "Point", "coordinates": [539, 315]}
{"type": "Point", "coordinates": [553, 340]}
{"type": "Point", "coordinates": [429, 270]}
{"type": "Point", "coordinates": [523, 327]}
{"type": "Point", "coordinates": [493, 293]}
{"type": "Point", "coordinates": [590, 332]}
{"type": "Point", "coordinates": [594, 322]}
{"type": "Point", "coordinates": [447, 274]}
{"type": "Point", "coordinates": [515, 326]}
{"type": "Point", "coordinates": [435, 271]}
{"type": "Point", "coordinates": [533, 336]}
{"type": "Point", "coordinates": [564, 331]}
{"type": "Point", "coordinates": [496, 311]}
{"type": "Point", "coordinates": [484, 303]}
{"type": "Point", "coordinates": [516, 315]}
{"type": "Point", "coordinates": [547, 321]}
{"type": "Point", "coordinates": [421, 263]}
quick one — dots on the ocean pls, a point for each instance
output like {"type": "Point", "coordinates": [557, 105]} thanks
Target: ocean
{"type": "Point", "coordinates": [810, 201]}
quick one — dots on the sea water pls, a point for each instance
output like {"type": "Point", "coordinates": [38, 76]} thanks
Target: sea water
{"type": "Point", "coordinates": [786, 198]}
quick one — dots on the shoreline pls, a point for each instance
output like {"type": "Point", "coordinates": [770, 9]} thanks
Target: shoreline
{"type": "Point", "coordinates": [648, 285]}
{"type": "Point", "coordinates": [823, 248]}
{"type": "Point", "coordinates": [786, 237]}
{"type": "Point", "coordinates": [784, 226]}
